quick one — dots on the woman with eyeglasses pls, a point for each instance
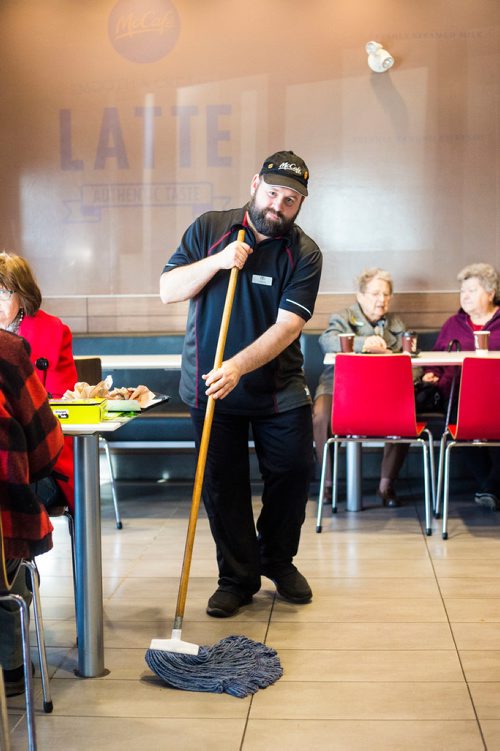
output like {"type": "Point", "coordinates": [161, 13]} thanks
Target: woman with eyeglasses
{"type": "Point", "coordinates": [479, 311]}
{"type": "Point", "coordinates": [51, 354]}
{"type": "Point", "coordinates": [376, 331]}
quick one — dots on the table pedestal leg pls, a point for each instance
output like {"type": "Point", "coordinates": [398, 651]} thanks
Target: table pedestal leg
{"type": "Point", "coordinates": [353, 465]}
{"type": "Point", "coordinates": [89, 615]}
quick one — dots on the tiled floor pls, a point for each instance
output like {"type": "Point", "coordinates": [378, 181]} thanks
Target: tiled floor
{"type": "Point", "coordinates": [399, 649]}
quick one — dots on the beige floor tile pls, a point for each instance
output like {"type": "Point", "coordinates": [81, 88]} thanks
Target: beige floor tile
{"type": "Point", "coordinates": [360, 636]}
{"type": "Point", "coordinates": [138, 634]}
{"type": "Point", "coordinates": [126, 609]}
{"type": "Point", "coordinates": [364, 701]}
{"type": "Point", "coordinates": [372, 660]}
{"type": "Point", "coordinates": [363, 735]}
{"type": "Point", "coordinates": [321, 546]}
{"type": "Point", "coordinates": [59, 633]}
{"type": "Point", "coordinates": [374, 587]}
{"type": "Point", "coordinates": [58, 608]}
{"type": "Point", "coordinates": [384, 664]}
{"type": "Point", "coordinates": [160, 589]}
{"type": "Point", "coordinates": [466, 549]}
{"type": "Point", "coordinates": [141, 698]}
{"type": "Point", "coordinates": [470, 568]}
{"type": "Point", "coordinates": [486, 609]}
{"type": "Point", "coordinates": [334, 609]}
{"type": "Point", "coordinates": [170, 567]}
{"type": "Point", "coordinates": [491, 733]}
{"type": "Point", "coordinates": [480, 636]}
{"type": "Point", "coordinates": [366, 568]}
{"type": "Point", "coordinates": [121, 664]}
{"type": "Point", "coordinates": [486, 698]}
{"type": "Point", "coordinates": [135, 733]}
{"type": "Point", "coordinates": [469, 587]}
{"type": "Point", "coordinates": [62, 586]}
{"type": "Point", "coordinates": [481, 665]}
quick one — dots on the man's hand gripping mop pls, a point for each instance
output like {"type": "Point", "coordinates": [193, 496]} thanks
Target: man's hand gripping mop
{"type": "Point", "coordinates": [235, 665]}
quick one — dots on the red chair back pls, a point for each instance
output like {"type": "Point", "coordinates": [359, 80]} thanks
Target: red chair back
{"type": "Point", "coordinates": [373, 396]}
{"type": "Point", "coordinates": [478, 413]}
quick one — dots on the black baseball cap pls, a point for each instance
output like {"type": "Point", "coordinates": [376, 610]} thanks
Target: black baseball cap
{"type": "Point", "coordinates": [287, 170]}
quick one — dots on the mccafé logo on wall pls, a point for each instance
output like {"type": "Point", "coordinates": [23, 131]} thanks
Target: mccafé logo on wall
{"type": "Point", "coordinates": [143, 31]}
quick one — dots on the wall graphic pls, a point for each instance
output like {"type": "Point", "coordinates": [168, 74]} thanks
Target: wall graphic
{"type": "Point", "coordinates": [123, 120]}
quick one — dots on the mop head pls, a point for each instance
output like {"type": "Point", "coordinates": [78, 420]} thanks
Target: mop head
{"type": "Point", "coordinates": [235, 665]}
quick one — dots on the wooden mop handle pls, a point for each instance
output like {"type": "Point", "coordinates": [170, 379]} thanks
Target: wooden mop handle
{"type": "Point", "coordinates": [202, 454]}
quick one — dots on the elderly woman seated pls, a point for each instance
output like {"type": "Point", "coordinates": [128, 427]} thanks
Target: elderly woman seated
{"type": "Point", "coordinates": [51, 354]}
{"type": "Point", "coordinates": [375, 330]}
{"type": "Point", "coordinates": [479, 310]}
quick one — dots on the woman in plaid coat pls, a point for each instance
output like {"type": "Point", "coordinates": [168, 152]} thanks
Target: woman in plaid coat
{"type": "Point", "coordinates": [30, 442]}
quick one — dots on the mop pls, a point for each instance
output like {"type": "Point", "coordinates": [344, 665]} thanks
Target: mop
{"type": "Point", "coordinates": [235, 665]}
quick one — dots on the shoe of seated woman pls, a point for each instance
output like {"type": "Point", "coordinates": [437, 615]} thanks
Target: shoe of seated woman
{"type": "Point", "coordinates": [389, 497]}
{"type": "Point", "coordinates": [487, 500]}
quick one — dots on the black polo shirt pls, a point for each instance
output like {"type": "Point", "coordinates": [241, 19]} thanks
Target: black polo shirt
{"type": "Point", "coordinates": [281, 273]}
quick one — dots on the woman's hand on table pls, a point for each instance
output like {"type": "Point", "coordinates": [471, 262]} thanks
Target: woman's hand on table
{"type": "Point", "coordinates": [375, 345]}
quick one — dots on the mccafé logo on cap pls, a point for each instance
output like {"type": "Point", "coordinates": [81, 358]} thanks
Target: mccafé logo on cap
{"type": "Point", "coordinates": [287, 170]}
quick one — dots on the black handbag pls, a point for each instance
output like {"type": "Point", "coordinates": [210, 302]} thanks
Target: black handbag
{"type": "Point", "coordinates": [427, 397]}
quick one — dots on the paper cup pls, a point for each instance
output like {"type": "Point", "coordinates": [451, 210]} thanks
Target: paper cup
{"type": "Point", "coordinates": [409, 342]}
{"type": "Point", "coordinates": [481, 339]}
{"type": "Point", "coordinates": [346, 342]}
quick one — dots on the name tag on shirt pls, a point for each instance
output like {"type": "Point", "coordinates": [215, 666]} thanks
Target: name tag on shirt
{"type": "Point", "coordinates": [258, 279]}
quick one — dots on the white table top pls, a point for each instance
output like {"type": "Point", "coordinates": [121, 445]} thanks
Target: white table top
{"type": "Point", "coordinates": [426, 359]}
{"type": "Point", "coordinates": [138, 362]}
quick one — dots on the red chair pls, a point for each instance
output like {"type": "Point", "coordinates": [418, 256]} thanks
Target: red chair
{"type": "Point", "coordinates": [373, 401]}
{"type": "Point", "coordinates": [478, 419]}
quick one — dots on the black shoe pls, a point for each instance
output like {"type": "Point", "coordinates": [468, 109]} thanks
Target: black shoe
{"type": "Point", "coordinates": [389, 497]}
{"type": "Point", "coordinates": [14, 680]}
{"type": "Point", "coordinates": [223, 603]}
{"type": "Point", "coordinates": [290, 584]}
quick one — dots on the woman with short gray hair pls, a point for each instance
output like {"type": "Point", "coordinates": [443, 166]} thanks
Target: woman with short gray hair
{"type": "Point", "coordinates": [479, 310]}
{"type": "Point", "coordinates": [376, 331]}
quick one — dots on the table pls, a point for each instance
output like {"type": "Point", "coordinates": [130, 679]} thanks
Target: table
{"type": "Point", "coordinates": [426, 359]}
{"type": "Point", "coordinates": [88, 548]}
{"type": "Point", "coordinates": [353, 450]}
{"type": "Point", "coordinates": [139, 362]}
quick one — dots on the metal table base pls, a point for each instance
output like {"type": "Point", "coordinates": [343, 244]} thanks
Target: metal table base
{"type": "Point", "coordinates": [90, 630]}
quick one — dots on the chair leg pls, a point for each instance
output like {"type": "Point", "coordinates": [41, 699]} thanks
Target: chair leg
{"type": "Point", "coordinates": [335, 472]}
{"type": "Point", "coordinates": [4, 720]}
{"type": "Point", "coordinates": [322, 486]}
{"type": "Point", "coordinates": [28, 679]}
{"type": "Point", "coordinates": [432, 466]}
{"type": "Point", "coordinates": [30, 566]}
{"type": "Point", "coordinates": [427, 490]}
{"type": "Point", "coordinates": [114, 494]}
{"type": "Point", "coordinates": [446, 489]}
{"type": "Point", "coordinates": [442, 446]}
{"type": "Point", "coordinates": [71, 530]}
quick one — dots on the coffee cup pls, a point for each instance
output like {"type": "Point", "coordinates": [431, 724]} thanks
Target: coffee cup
{"type": "Point", "coordinates": [409, 342]}
{"type": "Point", "coordinates": [481, 339]}
{"type": "Point", "coordinates": [346, 342]}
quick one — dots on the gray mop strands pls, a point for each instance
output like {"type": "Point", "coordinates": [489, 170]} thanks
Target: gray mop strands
{"type": "Point", "coordinates": [235, 665]}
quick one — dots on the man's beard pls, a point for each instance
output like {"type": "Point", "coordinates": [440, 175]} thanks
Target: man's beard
{"type": "Point", "coordinates": [269, 227]}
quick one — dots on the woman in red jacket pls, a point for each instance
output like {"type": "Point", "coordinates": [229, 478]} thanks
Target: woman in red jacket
{"type": "Point", "coordinates": [51, 354]}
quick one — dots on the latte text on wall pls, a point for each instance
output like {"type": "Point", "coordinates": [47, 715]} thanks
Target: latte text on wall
{"type": "Point", "coordinates": [110, 144]}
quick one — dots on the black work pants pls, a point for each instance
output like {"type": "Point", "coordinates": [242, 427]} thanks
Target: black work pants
{"type": "Point", "coordinates": [284, 448]}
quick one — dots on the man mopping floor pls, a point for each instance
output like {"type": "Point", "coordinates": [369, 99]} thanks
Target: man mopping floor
{"type": "Point", "coordinates": [260, 383]}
